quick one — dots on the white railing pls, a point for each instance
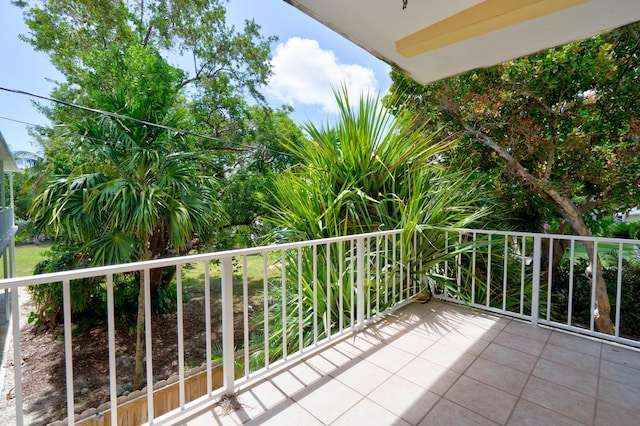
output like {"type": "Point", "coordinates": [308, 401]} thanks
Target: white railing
{"type": "Point", "coordinates": [316, 292]}
{"type": "Point", "coordinates": [509, 273]}
{"type": "Point", "coordinates": [367, 275]}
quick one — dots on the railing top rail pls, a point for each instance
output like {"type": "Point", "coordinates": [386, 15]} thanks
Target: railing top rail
{"type": "Point", "coordinates": [172, 261]}
{"type": "Point", "coordinates": [542, 235]}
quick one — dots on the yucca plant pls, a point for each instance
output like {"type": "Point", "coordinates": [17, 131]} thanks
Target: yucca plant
{"type": "Point", "coordinates": [369, 172]}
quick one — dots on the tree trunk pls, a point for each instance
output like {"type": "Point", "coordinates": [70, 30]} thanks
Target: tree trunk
{"type": "Point", "coordinates": [570, 213]}
{"type": "Point", "coordinates": [138, 379]}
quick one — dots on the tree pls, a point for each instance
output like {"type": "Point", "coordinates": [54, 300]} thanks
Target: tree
{"type": "Point", "coordinates": [562, 124]}
{"type": "Point", "coordinates": [125, 190]}
{"type": "Point", "coordinates": [368, 172]}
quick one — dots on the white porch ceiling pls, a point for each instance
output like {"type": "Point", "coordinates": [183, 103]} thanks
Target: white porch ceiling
{"type": "Point", "coordinates": [434, 39]}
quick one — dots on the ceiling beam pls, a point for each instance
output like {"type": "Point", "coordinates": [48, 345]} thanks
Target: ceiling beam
{"type": "Point", "coordinates": [485, 17]}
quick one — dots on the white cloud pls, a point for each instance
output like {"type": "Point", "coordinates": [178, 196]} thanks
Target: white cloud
{"type": "Point", "coordinates": [303, 73]}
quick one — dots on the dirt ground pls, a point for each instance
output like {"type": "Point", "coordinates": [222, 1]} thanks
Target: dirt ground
{"type": "Point", "coordinates": [43, 364]}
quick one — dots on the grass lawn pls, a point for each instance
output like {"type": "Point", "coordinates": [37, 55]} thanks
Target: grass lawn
{"type": "Point", "coordinates": [604, 250]}
{"type": "Point", "coordinates": [27, 256]}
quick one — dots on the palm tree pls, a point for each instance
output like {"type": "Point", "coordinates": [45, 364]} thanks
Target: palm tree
{"type": "Point", "coordinates": [138, 199]}
{"type": "Point", "coordinates": [368, 172]}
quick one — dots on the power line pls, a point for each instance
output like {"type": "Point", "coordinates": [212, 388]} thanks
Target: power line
{"type": "Point", "coordinates": [136, 120]}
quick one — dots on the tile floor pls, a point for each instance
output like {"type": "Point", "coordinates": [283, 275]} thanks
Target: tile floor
{"type": "Point", "coordinates": [440, 364]}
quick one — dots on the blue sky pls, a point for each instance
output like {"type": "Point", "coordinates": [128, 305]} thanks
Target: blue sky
{"type": "Point", "coordinates": [308, 60]}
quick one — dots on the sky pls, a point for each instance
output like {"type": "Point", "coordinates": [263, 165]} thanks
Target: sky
{"type": "Point", "coordinates": [308, 60]}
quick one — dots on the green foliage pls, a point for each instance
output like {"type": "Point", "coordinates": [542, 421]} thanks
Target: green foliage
{"type": "Point", "coordinates": [625, 230]}
{"type": "Point", "coordinates": [558, 124]}
{"type": "Point", "coordinates": [581, 301]}
{"type": "Point", "coordinates": [367, 173]}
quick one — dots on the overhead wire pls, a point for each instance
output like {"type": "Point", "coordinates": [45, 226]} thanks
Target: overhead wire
{"type": "Point", "coordinates": [136, 120]}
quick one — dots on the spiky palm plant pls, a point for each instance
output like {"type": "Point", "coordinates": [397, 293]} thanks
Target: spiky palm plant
{"type": "Point", "coordinates": [368, 172]}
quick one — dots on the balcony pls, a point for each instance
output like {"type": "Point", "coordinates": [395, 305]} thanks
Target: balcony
{"type": "Point", "coordinates": [499, 342]}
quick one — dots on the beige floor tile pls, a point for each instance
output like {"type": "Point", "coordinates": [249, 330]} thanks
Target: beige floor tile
{"type": "Point", "coordinates": [511, 358]}
{"type": "Point", "coordinates": [520, 343]}
{"type": "Point", "coordinates": [489, 321]}
{"type": "Point", "coordinates": [258, 399]}
{"type": "Point", "coordinates": [448, 357]}
{"type": "Point", "coordinates": [528, 413]}
{"type": "Point", "coordinates": [446, 413]}
{"type": "Point", "coordinates": [410, 342]}
{"type": "Point", "coordinates": [328, 361]}
{"type": "Point", "coordinates": [295, 379]}
{"type": "Point", "coordinates": [610, 414]}
{"type": "Point", "coordinates": [289, 414]}
{"type": "Point", "coordinates": [571, 358]}
{"type": "Point", "coordinates": [328, 399]}
{"type": "Point", "coordinates": [212, 417]}
{"type": "Point", "coordinates": [576, 343]}
{"type": "Point", "coordinates": [389, 358]}
{"type": "Point", "coordinates": [470, 345]}
{"type": "Point", "coordinates": [429, 376]}
{"type": "Point", "coordinates": [470, 329]}
{"type": "Point", "coordinates": [619, 394]}
{"type": "Point", "coordinates": [620, 355]}
{"type": "Point", "coordinates": [497, 375]}
{"type": "Point", "coordinates": [528, 330]}
{"type": "Point", "coordinates": [483, 399]}
{"type": "Point", "coordinates": [430, 328]}
{"type": "Point", "coordinates": [368, 413]}
{"type": "Point", "coordinates": [571, 378]}
{"type": "Point", "coordinates": [404, 398]}
{"type": "Point", "coordinates": [621, 374]}
{"type": "Point", "coordinates": [362, 376]}
{"type": "Point", "coordinates": [563, 400]}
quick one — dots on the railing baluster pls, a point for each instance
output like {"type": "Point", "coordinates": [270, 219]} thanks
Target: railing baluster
{"type": "Point", "coordinates": [340, 287]}
{"type": "Point", "coordinates": [459, 276]}
{"type": "Point", "coordinates": [535, 290]}
{"type": "Point", "coordinates": [207, 324]}
{"type": "Point", "coordinates": [352, 283]}
{"type": "Point", "coordinates": [619, 289]}
{"type": "Point", "coordinates": [549, 279]}
{"type": "Point", "coordinates": [111, 326]}
{"type": "Point", "coordinates": [245, 313]}
{"type": "Point", "coordinates": [315, 294]}
{"type": "Point", "coordinates": [368, 279]}
{"type": "Point", "coordinates": [228, 358]}
{"type": "Point", "coordinates": [284, 304]}
{"type": "Point", "coordinates": [386, 269]}
{"type": "Point", "coordinates": [394, 263]}
{"type": "Point", "coordinates": [401, 292]}
{"type": "Point", "coordinates": [571, 270]}
{"type": "Point", "coordinates": [148, 340]}
{"type": "Point", "coordinates": [523, 264]}
{"type": "Point", "coordinates": [68, 349]}
{"type": "Point", "coordinates": [265, 307]}
{"type": "Point", "coordinates": [180, 317]}
{"type": "Point", "coordinates": [489, 262]}
{"type": "Point", "coordinates": [504, 274]}
{"type": "Point", "coordinates": [473, 270]}
{"type": "Point", "coordinates": [300, 331]}
{"type": "Point", "coordinates": [360, 283]}
{"type": "Point", "coordinates": [17, 354]}
{"type": "Point", "coordinates": [595, 270]}
{"type": "Point", "coordinates": [377, 275]}
{"type": "Point", "coordinates": [328, 310]}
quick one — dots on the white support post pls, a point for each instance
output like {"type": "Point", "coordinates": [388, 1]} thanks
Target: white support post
{"type": "Point", "coordinates": [360, 284]}
{"type": "Point", "coordinates": [68, 350]}
{"type": "Point", "coordinates": [17, 355]}
{"type": "Point", "coordinates": [535, 290]}
{"type": "Point", "coordinates": [228, 364]}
